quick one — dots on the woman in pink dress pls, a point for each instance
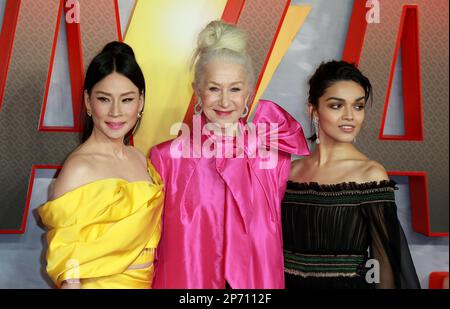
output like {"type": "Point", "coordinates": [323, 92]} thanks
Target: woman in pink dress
{"type": "Point", "coordinates": [225, 181]}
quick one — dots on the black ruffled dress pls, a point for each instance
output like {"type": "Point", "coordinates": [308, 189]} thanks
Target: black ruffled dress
{"type": "Point", "coordinates": [344, 236]}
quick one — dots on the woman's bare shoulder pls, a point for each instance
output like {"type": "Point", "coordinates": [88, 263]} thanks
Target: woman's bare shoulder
{"type": "Point", "coordinates": [76, 171]}
{"type": "Point", "coordinates": [374, 171]}
{"type": "Point", "coordinates": [297, 167]}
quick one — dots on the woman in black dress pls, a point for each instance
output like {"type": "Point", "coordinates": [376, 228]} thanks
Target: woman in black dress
{"type": "Point", "coordinates": [340, 224]}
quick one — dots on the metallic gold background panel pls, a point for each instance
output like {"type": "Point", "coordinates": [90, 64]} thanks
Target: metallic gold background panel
{"type": "Point", "coordinates": [163, 35]}
{"type": "Point", "coordinates": [431, 155]}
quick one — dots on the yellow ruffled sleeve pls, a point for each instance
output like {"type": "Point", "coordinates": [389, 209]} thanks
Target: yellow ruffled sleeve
{"type": "Point", "coordinates": [99, 229]}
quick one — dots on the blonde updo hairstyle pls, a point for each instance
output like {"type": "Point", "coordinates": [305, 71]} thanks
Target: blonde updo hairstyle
{"type": "Point", "coordinates": [225, 42]}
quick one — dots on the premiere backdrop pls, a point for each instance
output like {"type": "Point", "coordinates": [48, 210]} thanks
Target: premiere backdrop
{"type": "Point", "coordinates": [45, 46]}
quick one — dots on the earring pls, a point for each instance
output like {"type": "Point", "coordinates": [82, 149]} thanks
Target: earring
{"type": "Point", "coordinates": [316, 128]}
{"type": "Point", "coordinates": [354, 140]}
{"type": "Point", "coordinates": [245, 112]}
{"type": "Point", "coordinates": [198, 109]}
{"type": "Point", "coordinates": [140, 114]}
{"type": "Point", "coordinates": [89, 113]}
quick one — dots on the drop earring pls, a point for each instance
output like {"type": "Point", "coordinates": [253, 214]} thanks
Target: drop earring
{"type": "Point", "coordinates": [316, 128]}
{"type": "Point", "coordinates": [198, 108]}
{"type": "Point", "coordinates": [245, 112]}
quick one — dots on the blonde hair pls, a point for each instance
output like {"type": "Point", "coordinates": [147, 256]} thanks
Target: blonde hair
{"type": "Point", "coordinates": [222, 41]}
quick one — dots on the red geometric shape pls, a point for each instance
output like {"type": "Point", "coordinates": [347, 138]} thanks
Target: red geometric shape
{"type": "Point", "coordinates": [232, 15]}
{"type": "Point", "coordinates": [119, 28]}
{"type": "Point", "coordinates": [356, 33]}
{"type": "Point", "coordinates": [233, 11]}
{"type": "Point", "coordinates": [436, 280]}
{"type": "Point", "coordinates": [34, 168]}
{"type": "Point", "coordinates": [420, 209]}
{"type": "Point", "coordinates": [8, 30]}
{"type": "Point", "coordinates": [408, 40]}
{"type": "Point", "coordinates": [272, 45]}
{"type": "Point", "coordinates": [76, 71]}
{"type": "Point", "coordinates": [76, 68]}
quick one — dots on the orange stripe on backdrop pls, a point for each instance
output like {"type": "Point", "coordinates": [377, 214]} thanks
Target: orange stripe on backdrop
{"type": "Point", "coordinates": [262, 19]}
{"type": "Point", "coordinates": [293, 22]}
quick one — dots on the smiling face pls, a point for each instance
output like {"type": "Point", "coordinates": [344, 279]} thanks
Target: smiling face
{"type": "Point", "coordinates": [223, 91]}
{"type": "Point", "coordinates": [114, 104]}
{"type": "Point", "coordinates": [340, 111]}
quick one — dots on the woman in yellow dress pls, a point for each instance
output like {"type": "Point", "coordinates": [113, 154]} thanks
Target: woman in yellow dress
{"type": "Point", "coordinates": [104, 216]}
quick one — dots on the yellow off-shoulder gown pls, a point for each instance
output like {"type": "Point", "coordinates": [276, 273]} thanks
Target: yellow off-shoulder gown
{"type": "Point", "coordinates": [104, 233]}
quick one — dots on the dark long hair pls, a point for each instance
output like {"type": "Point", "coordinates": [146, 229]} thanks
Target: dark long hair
{"type": "Point", "coordinates": [331, 72]}
{"type": "Point", "coordinates": [115, 57]}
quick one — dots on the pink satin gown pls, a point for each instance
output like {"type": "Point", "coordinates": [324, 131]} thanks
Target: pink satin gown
{"type": "Point", "coordinates": [221, 220]}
